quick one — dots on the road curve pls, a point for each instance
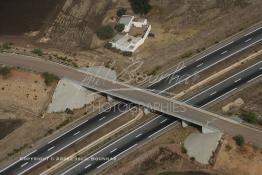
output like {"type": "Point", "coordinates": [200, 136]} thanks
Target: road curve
{"type": "Point", "coordinates": [62, 71]}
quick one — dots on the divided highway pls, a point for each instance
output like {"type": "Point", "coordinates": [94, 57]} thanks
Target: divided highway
{"type": "Point", "coordinates": [144, 132]}
{"type": "Point", "coordinates": [73, 135]}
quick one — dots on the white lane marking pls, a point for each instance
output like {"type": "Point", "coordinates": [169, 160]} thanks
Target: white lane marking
{"type": "Point", "coordinates": [17, 161]}
{"type": "Point", "coordinates": [223, 52]}
{"type": "Point", "coordinates": [213, 93]}
{"type": "Point", "coordinates": [252, 31]}
{"type": "Point", "coordinates": [49, 149]}
{"type": "Point", "coordinates": [159, 80]}
{"type": "Point", "coordinates": [88, 166]}
{"type": "Point", "coordinates": [109, 145]}
{"type": "Point", "coordinates": [199, 65]}
{"type": "Point", "coordinates": [163, 121]}
{"type": "Point", "coordinates": [254, 78]}
{"type": "Point", "coordinates": [80, 124]}
{"type": "Point", "coordinates": [160, 130]}
{"type": "Point", "coordinates": [126, 150]}
{"type": "Point", "coordinates": [76, 133]}
{"type": "Point", "coordinates": [138, 135]}
{"type": "Point", "coordinates": [248, 40]}
{"type": "Point", "coordinates": [238, 80]}
{"type": "Point", "coordinates": [113, 150]}
{"type": "Point", "coordinates": [24, 165]}
{"type": "Point", "coordinates": [219, 97]}
{"type": "Point", "coordinates": [103, 124]}
{"type": "Point", "coordinates": [223, 81]}
{"type": "Point", "coordinates": [101, 118]}
{"type": "Point", "coordinates": [220, 60]}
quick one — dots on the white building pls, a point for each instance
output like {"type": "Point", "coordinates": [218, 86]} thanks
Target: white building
{"type": "Point", "coordinates": [127, 21]}
{"type": "Point", "coordinates": [139, 22]}
{"type": "Point", "coordinates": [127, 42]}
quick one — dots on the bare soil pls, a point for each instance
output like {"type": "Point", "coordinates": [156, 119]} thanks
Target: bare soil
{"type": "Point", "coordinates": [7, 126]}
{"type": "Point", "coordinates": [181, 28]}
{"type": "Point", "coordinates": [18, 17]}
{"type": "Point", "coordinates": [234, 160]}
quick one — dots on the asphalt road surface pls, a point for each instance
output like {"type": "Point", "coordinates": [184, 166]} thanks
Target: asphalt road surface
{"type": "Point", "coordinates": [70, 137]}
{"type": "Point", "coordinates": [128, 142]}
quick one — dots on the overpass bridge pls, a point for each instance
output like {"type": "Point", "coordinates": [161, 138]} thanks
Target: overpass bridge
{"type": "Point", "coordinates": [139, 96]}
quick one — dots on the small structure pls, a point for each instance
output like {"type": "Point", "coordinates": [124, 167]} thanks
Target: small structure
{"type": "Point", "coordinates": [127, 21]}
{"type": "Point", "coordinates": [134, 34]}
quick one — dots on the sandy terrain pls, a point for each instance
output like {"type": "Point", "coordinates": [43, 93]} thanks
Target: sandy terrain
{"type": "Point", "coordinates": [23, 97]}
{"type": "Point", "coordinates": [238, 160]}
{"type": "Point", "coordinates": [181, 28]}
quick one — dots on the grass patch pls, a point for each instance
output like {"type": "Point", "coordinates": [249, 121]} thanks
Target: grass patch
{"type": "Point", "coordinates": [49, 78]}
{"type": "Point", "coordinates": [5, 71]}
{"type": "Point", "coordinates": [38, 51]}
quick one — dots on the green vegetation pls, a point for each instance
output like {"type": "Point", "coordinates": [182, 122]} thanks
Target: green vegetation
{"type": "Point", "coordinates": [7, 45]}
{"type": "Point", "coordinates": [183, 149]}
{"type": "Point", "coordinates": [5, 71]}
{"type": "Point", "coordinates": [69, 111]}
{"type": "Point", "coordinates": [251, 117]}
{"type": "Point", "coordinates": [49, 78]}
{"type": "Point", "coordinates": [105, 32]}
{"type": "Point", "coordinates": [239, 139]}
{"type": "Point", "coordinates": [120, 27]}
{"type": "Point", "coordinates": [108, 45]}
{"type": "Point", "coordinates": [140, 6]}
{"type": "Point", "coordinates": [120, 12]}
{"type": "Point", "coordinates": [38, 51]}
{"type": "Point", "coordinates": [128, 54]}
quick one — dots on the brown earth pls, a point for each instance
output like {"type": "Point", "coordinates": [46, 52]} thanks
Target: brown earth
{"type": "Point", "coordinates": [234, 160]}
{"type": "Point", "coordinates": [181, 28]}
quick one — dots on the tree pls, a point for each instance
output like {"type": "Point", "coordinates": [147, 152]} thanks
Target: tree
{"type": "Point", "coordinates": [38, 51]}
{"type": "Point", "coordinates": [249, 117]}
{"type": "Point", "coordinates": [108, 45]}
{"type": "Point", "coordinates": [4, 71]}
{"type": "Point", "coordinates": [140, 6]}
{"type": "Point", "coordinates": [6, 45]}
{"type": "Point", "coordinates": [105, 32]}
{"type": "Point", "coordinates": [120, 27]}
{"type": "Point", "coordinates": [49, 78]}
{"type": "Point", "coordinates": [120, 12]}
{"type": "Point", "coordinates": [127, 53]}
{"type": "Point", "coordinates": [239, 139]}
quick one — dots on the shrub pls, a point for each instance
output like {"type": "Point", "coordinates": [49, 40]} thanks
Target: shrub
{"type": "Point", "coordinates": [6, 45]}
{"type": "Point", "coordinates": [38, 51]}
{"type": "Point", "coordinates": [4, 71]}
{"type": "Point", "coordinates": [249, 117]}
{"type": "Point", "coordinates": [108, 45]}
{"type": "Point", "coordinates": [49, 78]}
{"type": "Point", "coordinates": [105, 32]}
{"type": "Point", "coordinates": [183, 149]}
{"type": "Point", "coordinates": [140, 6]}
{"type": "Point", "coordinates": [69, 111]}
{"type": "Point", "coordinates": [239, 139]}
{"type": "Point", "coordinates": [127, 53]}
{"type": "Point", "coordinates": [120, 27]}
{"type": "Point", "coordinates": [120, 12]}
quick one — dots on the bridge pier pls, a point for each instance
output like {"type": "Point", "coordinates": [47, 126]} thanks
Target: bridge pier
{"type": "Point", "coordinates": [146, 111]}
{"type": "Point", "coordinates": [184, 124]}
{"type": "Point", "coordinates": [206, 130]}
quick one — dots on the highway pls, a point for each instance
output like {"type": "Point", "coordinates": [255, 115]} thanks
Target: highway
{"type": "Point", "coordinates": [90, 126]}
{"type": "Point", "coordinates": [144, 132]}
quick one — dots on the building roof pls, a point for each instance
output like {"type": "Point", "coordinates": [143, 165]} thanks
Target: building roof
{"type": "Point", "coordinates": [125, 19]}
{"type": "Point", "coordinates": [116, 38]}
